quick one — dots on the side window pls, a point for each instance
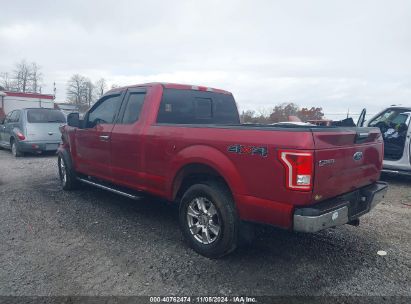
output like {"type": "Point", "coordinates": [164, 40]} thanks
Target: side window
{"type": "Point", "coordinates": [104, 112]}
{"type": "Point", "coordinates": [16, 116]}
{"type": "Point", "coordinates": [176, 109]}
{"type": "Point", "coordinates": [9, 117]}
{"type": "Point", "coordinates": [133, 107]}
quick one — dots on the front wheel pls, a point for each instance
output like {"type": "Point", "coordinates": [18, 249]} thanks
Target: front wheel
{"type": "Point", "coordinates": [208, 219]}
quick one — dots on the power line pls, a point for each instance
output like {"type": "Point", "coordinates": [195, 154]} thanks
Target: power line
{"type": "Point", "coordinates": [346, 114]}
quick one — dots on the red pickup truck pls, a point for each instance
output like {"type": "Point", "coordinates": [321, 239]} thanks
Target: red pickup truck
{"type": "Point", "coordinates": [186, 144]}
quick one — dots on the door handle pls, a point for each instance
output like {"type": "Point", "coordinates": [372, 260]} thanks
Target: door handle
{"type": "Point", "coordinates": [104, 137]}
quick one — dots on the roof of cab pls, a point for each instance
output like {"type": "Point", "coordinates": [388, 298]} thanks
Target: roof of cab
{"type": "Point", "coordinates": [168, 85]}
{"type": "Point", "coordinates": [399, 107]}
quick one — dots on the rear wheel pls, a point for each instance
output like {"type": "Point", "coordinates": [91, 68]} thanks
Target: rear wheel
{"type": "Point", "coordinates": [208, 219]}
{"type": "Point", "coordinates": [15, 150]}
{"type": "Point", "coordinates": [67, 174]}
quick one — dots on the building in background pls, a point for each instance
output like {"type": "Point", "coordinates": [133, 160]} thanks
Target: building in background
{"type": "Point", "coordinates": [66, 108]}
{"type": "Point", "coordinates": [10, 101]}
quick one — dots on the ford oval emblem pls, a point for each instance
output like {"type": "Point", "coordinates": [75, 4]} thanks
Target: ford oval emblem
{"type": "Point", "coordinates": [357, 156]}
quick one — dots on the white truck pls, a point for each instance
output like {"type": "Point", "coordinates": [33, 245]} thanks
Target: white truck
{"type": "Point", "coordinates": [394, 123]}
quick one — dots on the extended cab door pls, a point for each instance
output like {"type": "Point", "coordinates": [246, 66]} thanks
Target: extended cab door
{"type": "Point", "coordinates": [93, 141]}
{"type": "Point", "coordinates": [126, 140]}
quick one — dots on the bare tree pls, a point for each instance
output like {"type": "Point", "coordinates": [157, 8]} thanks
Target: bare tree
{"type": "Point", "coordinates": [88, 92]}
{"type": "Point", "coordinates": [35, 77]}
{"type": "Point", "coordinates": [100, 87]}
{"type": "Point", "coordinates": [21, 75]}
{"type": "Point", "coordinates": [6, 82]}
{"type": "Point", "coordinates": [24, 78]}
{"type": "Point", "coordinates": [76, 89]}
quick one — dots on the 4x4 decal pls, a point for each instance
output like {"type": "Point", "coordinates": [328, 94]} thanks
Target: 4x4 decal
{"type": "Point", "coordinates": [240, 149]}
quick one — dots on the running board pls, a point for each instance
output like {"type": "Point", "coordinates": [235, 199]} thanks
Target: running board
{"type": "Point", "coordinates": [111, 189]}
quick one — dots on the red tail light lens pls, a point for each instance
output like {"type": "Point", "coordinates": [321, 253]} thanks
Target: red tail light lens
{"type": "Point", "coordinates": [299, 167]}
{"type": "Point", "coordinates": [20, 135]}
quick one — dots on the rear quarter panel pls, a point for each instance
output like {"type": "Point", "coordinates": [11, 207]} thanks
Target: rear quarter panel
{"type": "Point", "coordinates": [257, 182]}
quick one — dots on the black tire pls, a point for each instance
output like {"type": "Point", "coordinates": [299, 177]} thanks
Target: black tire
{"type": "Point", "coordinates": [15, 149]}
{"type": "Point", "coordinates": [225, 241]}
{"type": "Point", "coordinates": [68, 177]}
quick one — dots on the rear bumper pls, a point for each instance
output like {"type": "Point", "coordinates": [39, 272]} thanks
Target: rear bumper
{"type": "Point", "coordinates": [339, 210]}
{"type": "Point", "coordinates": [36, 146]}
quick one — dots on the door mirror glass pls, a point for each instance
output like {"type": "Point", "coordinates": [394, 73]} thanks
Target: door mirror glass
{"type": "Point", "coordinates": [73, 120]}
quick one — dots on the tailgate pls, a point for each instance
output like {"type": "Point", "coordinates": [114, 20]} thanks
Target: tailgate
{"type": "Point", "coordinates": [47, 132]}
{"type": "Point", "coordinates": [346, 159]}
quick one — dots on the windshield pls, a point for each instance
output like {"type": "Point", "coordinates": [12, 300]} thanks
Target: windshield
{"type": "Point", "coordinates": [391, 118]}
{"type": "Point", "coordinates": [45, 116]}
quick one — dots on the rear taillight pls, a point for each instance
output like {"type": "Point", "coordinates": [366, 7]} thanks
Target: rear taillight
{"type": "Point", "coordinates": [299, 168]}
{"type": "Point", "coordinates": [20, 135]}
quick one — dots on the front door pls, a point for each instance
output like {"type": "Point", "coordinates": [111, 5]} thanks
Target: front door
{"type": "Point", "coordinates": [93, 141]}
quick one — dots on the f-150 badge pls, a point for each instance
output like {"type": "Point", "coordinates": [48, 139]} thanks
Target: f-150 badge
{"type": "Point", "coordinates": [240, 149]}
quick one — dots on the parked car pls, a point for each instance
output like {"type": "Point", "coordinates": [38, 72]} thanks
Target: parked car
{"type": "Point", "coordinates": [394, 123]}
{"type": "Point", "coordinates": [32, 130]}
{"type": "Point", "coordinates": [186, 144]}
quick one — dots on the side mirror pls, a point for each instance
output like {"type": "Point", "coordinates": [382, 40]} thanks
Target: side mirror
{"type": "Point", "coordinates": [2, 120]}
{"type": "Point", "coordinates": [73, 120]}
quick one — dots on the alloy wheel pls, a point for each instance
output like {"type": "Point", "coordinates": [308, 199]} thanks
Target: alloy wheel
{"type": "Point", "coordinates": [203, 220]}
{"type": "Point", "coordinates": [63, 172]}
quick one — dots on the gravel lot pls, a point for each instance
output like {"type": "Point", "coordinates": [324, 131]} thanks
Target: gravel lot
{"type": "Point", "coordinates": [91, 242]}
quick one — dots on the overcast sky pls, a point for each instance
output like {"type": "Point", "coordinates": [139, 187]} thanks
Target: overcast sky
{"type": "Point", "coordinates": [332, 54]}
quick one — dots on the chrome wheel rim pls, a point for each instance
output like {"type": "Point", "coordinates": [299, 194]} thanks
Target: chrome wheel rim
{"type": "Point", "coordinates": [63, 173]}
{"type": "Point", "coordinates": [203, 220]}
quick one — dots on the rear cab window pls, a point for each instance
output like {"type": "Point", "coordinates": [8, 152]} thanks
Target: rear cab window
{"type": "Point", "coordinates": [197, 107]}
{"type": "Point", "coordinates": [45, 116]}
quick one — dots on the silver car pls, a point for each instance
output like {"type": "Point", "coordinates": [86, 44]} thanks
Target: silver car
{"type": "Point", "coordinates": [394, 123]}
{"type": "Point", "coordinates": [31, 130]}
